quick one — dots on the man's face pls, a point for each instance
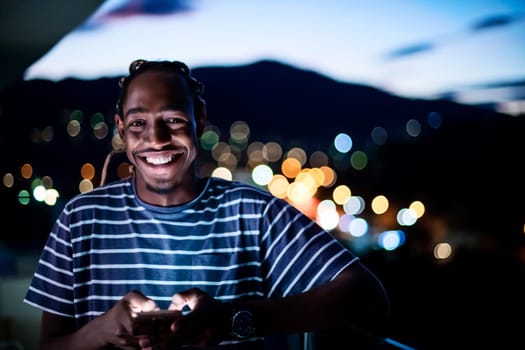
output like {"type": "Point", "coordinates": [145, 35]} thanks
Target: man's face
{"type": "Point", "coordinates": [158, 130]}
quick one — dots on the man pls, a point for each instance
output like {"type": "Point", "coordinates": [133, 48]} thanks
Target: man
{"type": "Point", "coordinates": [233, 263]}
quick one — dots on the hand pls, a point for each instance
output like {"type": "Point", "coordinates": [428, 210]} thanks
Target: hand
{"type": "Point", "coordinates": [115, 326]}
{"type": "Point", "coordinates": [207, 324]}
{"type": "Point", "coordinates": [145, 323]}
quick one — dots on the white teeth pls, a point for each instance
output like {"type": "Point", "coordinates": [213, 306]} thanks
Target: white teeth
{"type": "Point", "coordinates": [158, 160]}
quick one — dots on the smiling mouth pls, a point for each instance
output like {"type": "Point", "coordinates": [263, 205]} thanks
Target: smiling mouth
{"type": "Point", "coordinates": [159, 160]}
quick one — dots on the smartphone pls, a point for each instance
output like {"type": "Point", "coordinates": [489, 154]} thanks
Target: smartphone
{"type": "Point", "coordinates": [149, 322]}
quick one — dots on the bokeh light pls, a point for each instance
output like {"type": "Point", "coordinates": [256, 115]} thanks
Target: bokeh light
{"type": "Point", "coordinates": [24, 197]}
{"type": "Point", "coordinates": [272, 151]}
{"type": "Point", "coordinates": [330, 176]}
{"type": "Point", "coordinates": [101, 130]}
{"type": "Point", "coordinates": [47, 134]}
{"type": "Point", "coordinates": [327, 216]}
{"type": "Point", "coordinates": [299, 154]}
{"type": "Point", "coordinates": [418, 207]}
{"type": "Point", "coordinates": [254, 151]}
{"type": "Point", "coordinates": [391, 240]}
{"type": "Point", "coordinates": [39, 193]}
{"type": "Point", "coordinates": [73, 128]}
{"type": "Point", "coordinates": [413, 127]}
{"type": "Point", "coordinates": [343, 143]}
{"type": "Point", "coordinates": [8, 180]}
{"type": "Point", "coordinates": [406, 217]}
{"type": "Point", "coordinates": [341, 194]}
{"type": "Point", "coordinates": [359, 160]}
{"type": "Point", "coordinates": [85, 185]}
{"type": "Point", "coordinates": [223, 173]}
{"type": "Point", "coordinates": [209, 139]}
{"type": "Point", "coordinates": [290, 167]}
{"type": "Point", "coordinates": [434, 120]}
{"type": "Point", "coordinates": [354, 205]}
{"type": "Point", "coordinates": [51, 196]}
{"type": "Point", "coordinates": [26, 171]}
{"type": "Point", "coordinates": [239, 132]}
{"type": "Point", "coordinates": [278, 186]}
{"type": "Point", "coordinates": [318, 159]}
{"type": "Point", "coordinates": [358, 227]}
{"type": "Point", "coordinates": [379, 135]}
{"type": "Point", "coordinates": [379, 204]}
{"type": "Point", "coordinates": [87, 171]}
{"type": "Point", "coordinates": [262, 174]}
{"type": "Point", "coordinates": [96, 119]}
{"type": "Point", "coordinates": [442, 251]}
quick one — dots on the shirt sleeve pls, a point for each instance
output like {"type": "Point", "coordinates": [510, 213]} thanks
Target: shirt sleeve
{"type": "Point", "coordinates": [51, 288]}
{"type": "Point", "coordinates": [298, 254]}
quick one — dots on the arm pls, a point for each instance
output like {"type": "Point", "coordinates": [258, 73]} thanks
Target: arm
{"type": "Point", "coordinates": [355, 298]}
{"type": "Point", "coordinates": [58, 332]}
{"type": "Point", "coordinates": [111, 328]}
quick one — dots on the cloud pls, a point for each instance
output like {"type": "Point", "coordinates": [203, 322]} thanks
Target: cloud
{"type": "Point", "coordinates": [129, 8]}
{"type": "Point", "coordinates": [149, 7]}
{"type": "Point", "coordinates": [487, 23]}
{"type": "Point", "coordinates": [517, 83]}
{"type": "Point", "coordinates": [410, 50]}
{"type": "Point", "coordinates": [494, 22]}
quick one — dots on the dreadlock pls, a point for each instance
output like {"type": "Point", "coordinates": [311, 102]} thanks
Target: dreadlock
{"type": "Point", "coordinates": [139, 66]}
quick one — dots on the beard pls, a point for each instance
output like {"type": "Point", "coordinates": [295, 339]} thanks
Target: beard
{"type": "Point", "coordinates": [162, 187]}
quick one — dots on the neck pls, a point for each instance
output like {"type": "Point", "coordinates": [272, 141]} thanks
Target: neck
{"type": "Point", "coordinates": [180, 193]}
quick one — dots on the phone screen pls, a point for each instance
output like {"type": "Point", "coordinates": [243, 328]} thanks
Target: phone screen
{"type": "Point", "coordinates": [154, 321]}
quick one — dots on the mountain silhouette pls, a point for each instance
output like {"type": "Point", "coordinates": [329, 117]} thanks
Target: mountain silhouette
{"type": "Point", "coordinates": [288, 102]}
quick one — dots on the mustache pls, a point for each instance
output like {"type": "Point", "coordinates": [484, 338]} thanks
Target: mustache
{"type": "Point", "coordinates": [174, 148]}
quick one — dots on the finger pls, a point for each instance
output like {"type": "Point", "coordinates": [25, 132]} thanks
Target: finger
{"type": "Point", "coordinates": [191, 303]}
{"type": "Point", "coordinates": [178, 301]}
{"type": "Point", "coordinates": [187, 298]}
{"type": "Point", "coordinates": [139, 302]}
{"type": "Point", "coordinates": [155, 342]}
{"type": "Point", "coordinates": [144, 342]}
{"type": "Point", "coordinates": [127, 342]}
{"type": "Point", "coordinates": [150, 305]}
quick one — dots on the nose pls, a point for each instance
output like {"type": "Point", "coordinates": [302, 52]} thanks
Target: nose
{"type": "Point", "coordinates": [159, 132]}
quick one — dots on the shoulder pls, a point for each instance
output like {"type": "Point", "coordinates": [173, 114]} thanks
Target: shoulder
{"type": "Point", "coordinates": [244, 197]}
{"type": "Point", "coordinates": [236, 189]}
{"type": "Point", "coordinates": [114, 191]}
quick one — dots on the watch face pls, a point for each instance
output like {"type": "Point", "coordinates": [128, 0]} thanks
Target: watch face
{"type": "Point", "coordinates": [242, 324]}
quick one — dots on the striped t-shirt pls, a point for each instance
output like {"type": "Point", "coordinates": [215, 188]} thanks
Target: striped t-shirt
{"type": "Point", "coordinates": [234, 241]}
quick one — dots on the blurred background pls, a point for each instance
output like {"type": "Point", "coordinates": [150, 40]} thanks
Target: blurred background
{"type": "Point", "coordinates": [398, 126]}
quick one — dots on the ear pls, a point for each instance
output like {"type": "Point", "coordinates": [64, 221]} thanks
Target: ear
{"type": "Point", "coordinates": [200, 115]}
{"type": "Point", "coordinates": [120, 125]}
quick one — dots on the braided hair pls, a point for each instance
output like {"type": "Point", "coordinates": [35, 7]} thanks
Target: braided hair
{"type": "Point", "coordinates": [140, 65]}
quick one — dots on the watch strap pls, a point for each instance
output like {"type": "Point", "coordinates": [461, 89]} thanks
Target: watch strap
{"type": "Point", "coordinates": [242, 323]}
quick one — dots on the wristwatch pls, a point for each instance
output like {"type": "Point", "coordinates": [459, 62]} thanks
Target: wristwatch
{"type": "Point", "coordinates": [243, 324]}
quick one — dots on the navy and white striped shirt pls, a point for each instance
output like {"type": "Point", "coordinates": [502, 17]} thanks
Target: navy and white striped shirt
{"type": "Point", "coordinates": [233, 241]}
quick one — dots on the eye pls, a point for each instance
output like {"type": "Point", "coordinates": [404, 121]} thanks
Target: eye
{"type": "Point", "coordinates": [136, 123]}
{"type": "Point", "coordinates": [176, 122]}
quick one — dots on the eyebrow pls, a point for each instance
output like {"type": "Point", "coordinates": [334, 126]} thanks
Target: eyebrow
{"type": "Point", "coordinates": [134, 110]}
{"type": "Point", "coordinates": [173, 107]}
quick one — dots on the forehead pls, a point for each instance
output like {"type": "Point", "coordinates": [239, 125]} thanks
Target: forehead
{"type": "Point", "coordinates": [160, 84]}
